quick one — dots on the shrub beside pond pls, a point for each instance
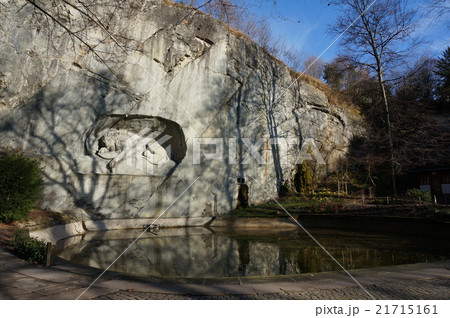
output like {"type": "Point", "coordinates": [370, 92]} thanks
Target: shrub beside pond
{"type": "Point", "coordinates": [418, 196]}
{"type": "Point", "coordinates": [20, 186]}
{"type": "Point", "coordinates": [30, 249]}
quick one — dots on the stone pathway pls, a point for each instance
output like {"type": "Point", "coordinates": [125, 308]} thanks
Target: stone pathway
{"type": "Point", "coordinates": [20, 280]}
{"type": "Point", "coordinates": [415, 289]}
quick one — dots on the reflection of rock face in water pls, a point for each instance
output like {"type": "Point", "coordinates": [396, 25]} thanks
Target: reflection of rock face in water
{"type": "Point", "coordinates": [196, 252]}
{"type": "Point", "coordinates": [200, 255]}
{"type": "Point", "coordinates": [268, 252]}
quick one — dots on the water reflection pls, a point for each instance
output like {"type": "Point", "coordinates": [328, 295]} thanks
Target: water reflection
{"type": "Point", "coordinates": [199, 252]}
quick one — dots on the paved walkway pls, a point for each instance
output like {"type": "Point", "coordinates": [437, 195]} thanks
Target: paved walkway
{"type": "Point", "coordinates": [414, 289]}
{"type": "Point", "coordinates": [20, 280]}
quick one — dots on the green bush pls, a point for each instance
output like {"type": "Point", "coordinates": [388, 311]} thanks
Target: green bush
{"type": "Point", "coordinates": [284, 191]}
{"type": "Point", "coordinates": [304, 179]}
{"type": "Point", "coordinates": [20, 186]}
{"type": "Point", "coordinates": [417, 196]}
{"type": "Point", "coordinates": [30, 249]}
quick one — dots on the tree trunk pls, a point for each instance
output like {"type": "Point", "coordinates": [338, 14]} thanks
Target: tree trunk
{"type": "Point", "coordinates": [388, 130]}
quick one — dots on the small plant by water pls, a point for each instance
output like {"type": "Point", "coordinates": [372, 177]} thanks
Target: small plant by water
{"type": "Point", "coordinates": [30, 249]}
{"type": "Point", "coordinates": [20, 186]}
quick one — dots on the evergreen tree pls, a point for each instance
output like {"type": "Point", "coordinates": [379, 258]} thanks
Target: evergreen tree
{"type": "Point", "coordinates": [443, 71]}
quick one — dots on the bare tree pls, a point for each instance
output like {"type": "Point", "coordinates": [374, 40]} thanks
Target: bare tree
{"type": "Point", "coordinates": [294, 58]}
{"type": "Point", "coordinates": [231, 12]}
{"type": "Point", "coordinates": [313, 66]}
{"type": "Point", "coordinates": [236, 13]}
{"type": "Point", "coordinates": [240, 15]}
{"type": "Point", "coordinates": [439, 8]}
{"type": "Point", "coordinates": [377, 38]}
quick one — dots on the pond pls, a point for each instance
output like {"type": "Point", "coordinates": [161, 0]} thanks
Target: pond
{"type": "Point", "coordinates": [219, 252]}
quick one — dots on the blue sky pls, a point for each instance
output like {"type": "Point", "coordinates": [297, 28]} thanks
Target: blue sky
{"type": "Point", "coordinates": [303, 24]}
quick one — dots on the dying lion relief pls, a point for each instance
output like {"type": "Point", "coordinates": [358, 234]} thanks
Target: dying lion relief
{"type": "Point", "coordinates": [136, 145]}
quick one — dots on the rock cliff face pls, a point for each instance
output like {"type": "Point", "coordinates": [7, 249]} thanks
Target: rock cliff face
{"type": "Point", "coordinates": [150, 108]}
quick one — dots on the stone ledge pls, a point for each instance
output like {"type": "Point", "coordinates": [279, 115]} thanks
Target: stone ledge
{"type": "Point", "coordinates": [124, 224]}
{"type": "Point", "coordinates": [59, 232]}
{"type": "Point", "coordinates": [254, 222]}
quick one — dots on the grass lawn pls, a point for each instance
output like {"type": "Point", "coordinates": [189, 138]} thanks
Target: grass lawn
{"type": "Point", "coordinates": [332, 204]}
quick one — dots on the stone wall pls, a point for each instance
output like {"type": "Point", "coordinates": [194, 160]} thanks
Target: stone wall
{"type": "Point", "coordinates": [115, 110]}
